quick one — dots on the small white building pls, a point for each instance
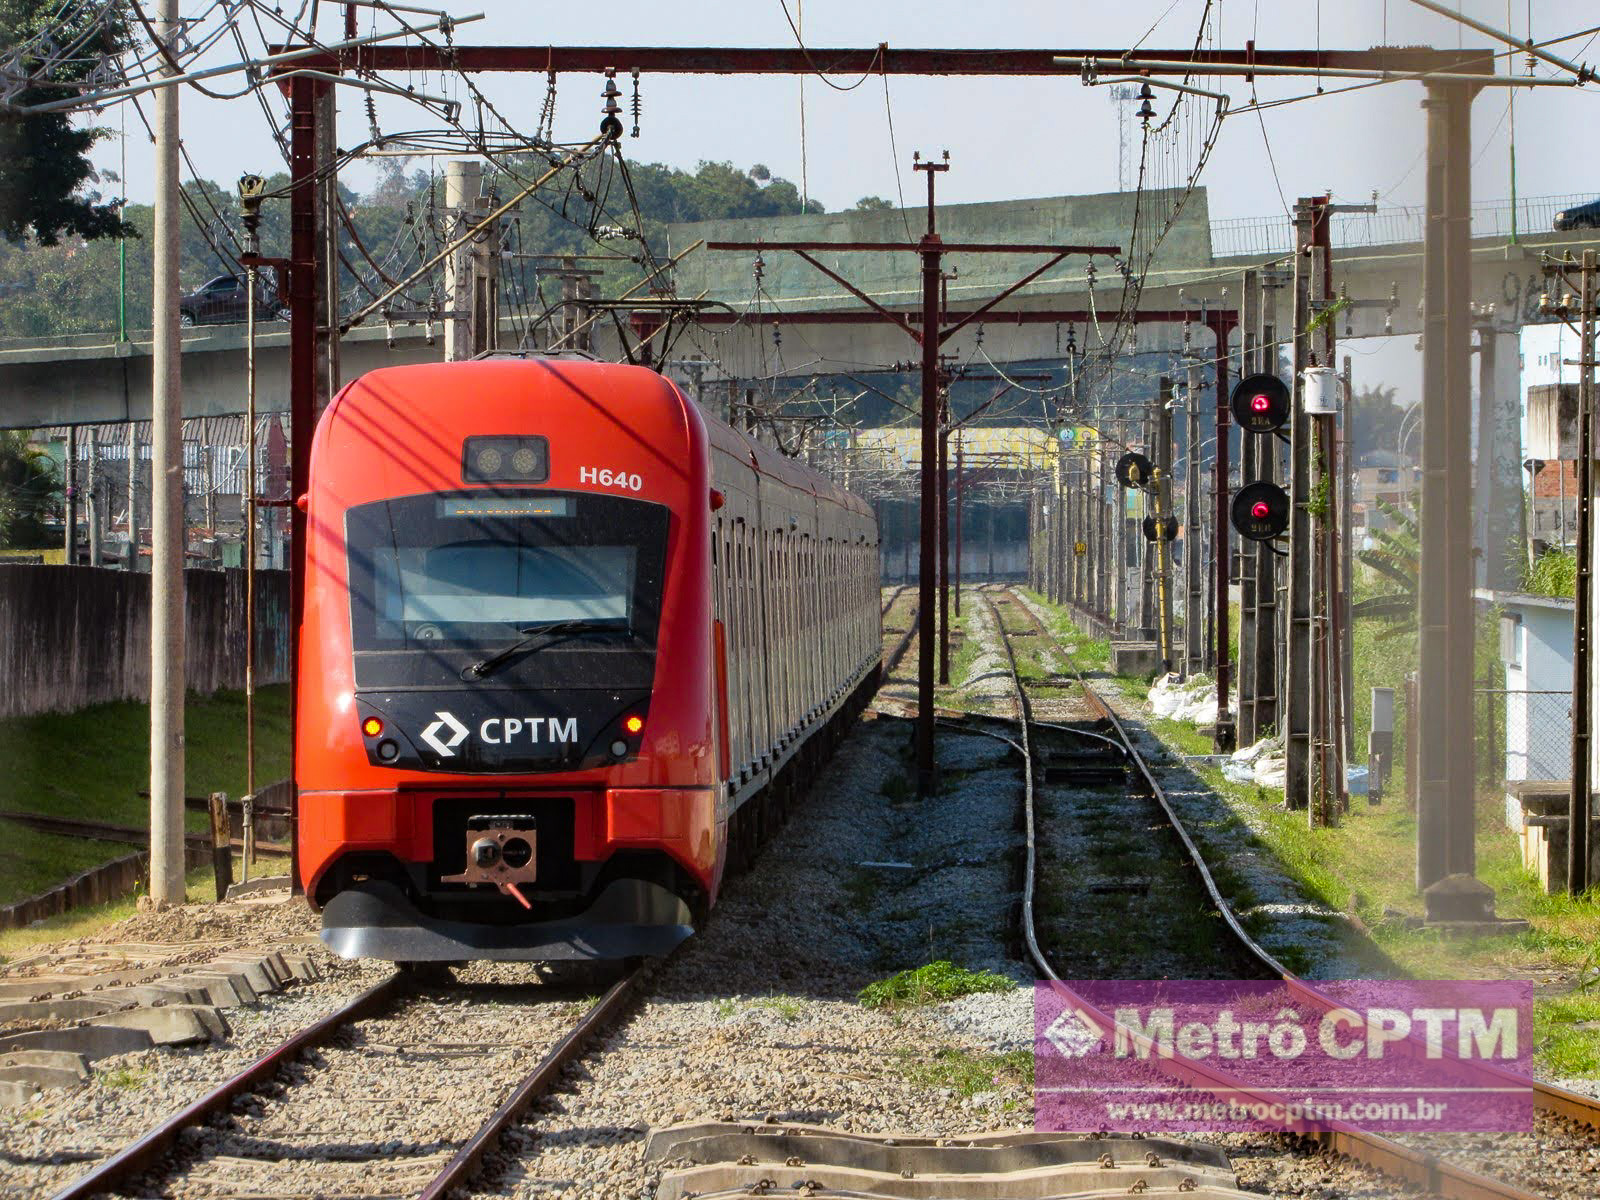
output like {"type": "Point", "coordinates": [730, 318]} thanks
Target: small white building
{"type": "Point", "coordinates": [1536, 647]}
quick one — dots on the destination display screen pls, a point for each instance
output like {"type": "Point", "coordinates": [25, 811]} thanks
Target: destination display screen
{"type": "Point", "coordinates": [513, 506]}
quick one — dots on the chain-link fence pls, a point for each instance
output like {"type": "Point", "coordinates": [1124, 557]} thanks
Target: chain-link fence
{"type": "Point", "coordinates": [1525, 734]}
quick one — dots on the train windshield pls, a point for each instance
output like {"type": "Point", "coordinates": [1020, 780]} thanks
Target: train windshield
{"type": "Point", "coordinates": [448, 576]}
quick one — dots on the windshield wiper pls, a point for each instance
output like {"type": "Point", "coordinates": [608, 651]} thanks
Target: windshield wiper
{"type": "Point", "coordinates": [535, 638]}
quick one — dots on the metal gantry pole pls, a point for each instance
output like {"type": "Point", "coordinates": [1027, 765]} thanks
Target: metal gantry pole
{"type": "Point", "coordinates": [1226, 731]}
{"type": "Point", "coordinates": [1194, 606]}
{"type": "Point", "coordinates": [1268, 635]}
{"type": "Point", "coordinates": [1297, 667]}
{"type": "Point", "coordinates": [166, 510]}
{"type": "Point", "coordinates": [1163, 544]}
{"type": "Point", "coordinates": [93, 508]}
{"type": "Point", "coordinates": [926, 574]}
{"type": "Point", "coordinates": [960, 497]}
{"type": "Point", "coordinates": [1579, 807]}
{"type": "Point", "coordinates": [248, 512]}
{"type": "Point", "coordinates": [944, 539]}
{"type": "Point", "coordinates": [70, 534]}
{"type": "Point", "coordinates": [1249, 471]}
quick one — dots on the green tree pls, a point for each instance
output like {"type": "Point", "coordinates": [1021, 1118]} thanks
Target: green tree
{"type": "Point", "coordinates": [872, 204]}
{"type": "Point", "coordinates": [44, 157]}
{"type": "Point", "coordinates": [1374, 419]}
{"type": "Point", "coordinates": [30, 489]}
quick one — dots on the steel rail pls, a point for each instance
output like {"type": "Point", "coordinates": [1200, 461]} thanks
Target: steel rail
{"type": "Point", "coordinates": [160, 1141]}
{"type": "Point", "coordinates": [464, 1164]}
{"type": "Point", "coordinates": [1392, 1158]}
{"type": "Point", "coordinates": [1255, 949]}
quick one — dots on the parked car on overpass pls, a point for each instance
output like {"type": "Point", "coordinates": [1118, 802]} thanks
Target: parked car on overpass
{"type": "Point", "coordinates": [221, 301]}
{"type": "Point", "coordinates": [1579, 216]}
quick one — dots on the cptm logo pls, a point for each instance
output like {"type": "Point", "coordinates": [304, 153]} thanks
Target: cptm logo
{"type": "Point", "coordinates": [458, 734]}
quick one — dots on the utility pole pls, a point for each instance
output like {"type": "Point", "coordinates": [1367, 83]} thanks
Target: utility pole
{"type": "Point", "coordinates": [1580, 808]}
{"type": "Point", "coordinates": [930, 251]}
{"type": "Point", "coordinates": [1446, 817]}
{"type": "Point", "coordinates": [1104, 553]}
{"type": "Point", "coordinates": [1194, 626]}
{"type": "Point", "coordinates": [1226, 730]}
{"type": "Point", "coordinates": [166, 509]}
{"type": "Point", "coordinates": [1297, 667]}
{"type": "Point", "coordinates": [1249, 468]}
{"type": "Point", "coordinates": [1119, 545]}
{"type": "Point", "coordinates": [933, 332]}
{"type": "Point", "coordinates": [944, 534]}
{"type": "Point", "coordinates": [1580, 800]}
{"type": "Point", "coordinates": [132, 562]}
{"type": "Point", "coordinates": [1269, 638]}
{"type": "Point", "coordinates": [960, 496]}
{"type": "Point", "coordinates": [1502, 531]}
{"type": "Point", "coordinates": [70, 464]}
{"type": "Point", "coordinates": [485, 300]}
{"type": "Point", "coordinates": [94, 510]}
{"type": "Point", "coordinates": [1162, 545]}
{"type": "Point", "coordinates": [250, 190]}
{"type": "Point", "coordinates": [463, 179]}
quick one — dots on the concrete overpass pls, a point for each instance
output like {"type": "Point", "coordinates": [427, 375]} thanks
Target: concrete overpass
{"type": "Point", "coordinates": [94, 379]}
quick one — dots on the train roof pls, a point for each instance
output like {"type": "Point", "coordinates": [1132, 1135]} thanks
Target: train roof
{"type": "Point", "coordinates": [639, 382]}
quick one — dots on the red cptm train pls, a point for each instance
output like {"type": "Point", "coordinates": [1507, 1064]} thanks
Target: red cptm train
{"type": "Point", "coordinates": [566, 643]}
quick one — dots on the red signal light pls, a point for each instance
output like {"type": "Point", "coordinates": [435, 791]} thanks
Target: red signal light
{"type": "Point", "coordinates": [372, 727]}
{"type": "Point", "coordinates": [1259, 510]}
{"type": "Point", "coordinates": [633, 724]}
{"type": "Point", "coordinates": [1260, 403]}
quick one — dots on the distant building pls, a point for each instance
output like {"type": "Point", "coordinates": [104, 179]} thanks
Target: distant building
{"type": "Point", "coordinates": [1381, 475]}
{"type": "Point", "coordinates": [1552, 475]}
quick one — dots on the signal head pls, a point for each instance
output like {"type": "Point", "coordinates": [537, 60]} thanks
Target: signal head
{"type": "Point", "coordinates": [1260, 403]}
{"type": "Point", "coordinates": [1134, 470]}
{"type": "Point", "coordinates": [1260, 511]}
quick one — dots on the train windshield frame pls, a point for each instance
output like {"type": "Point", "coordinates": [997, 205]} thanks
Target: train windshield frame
{"type": "Point", "coordinates": [439, 580]}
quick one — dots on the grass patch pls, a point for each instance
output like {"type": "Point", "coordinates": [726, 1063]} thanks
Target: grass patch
{"type": "Point", "coordinates": [967, 1073]}
{"type": "Point", "coordinates": [93, 763]}
{"type": "Point", "coordinates": [126, 1079]}
{"type": "Point", "coordinates": [930, 984]}
{"type": "Point", "coordinates": [90, 921]}
{"type": "Point", "coordinates": [964, 652]}
{"type": "Point", "coordinates": [1560, 1040]}
{"type": "Point", "coordinates": [788, 1008]}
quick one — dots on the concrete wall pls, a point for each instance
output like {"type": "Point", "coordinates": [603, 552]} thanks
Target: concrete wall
{"type": "Point", "coordinates": [74, 636]}
{"type": "Point", "coordinates": [894, 278]}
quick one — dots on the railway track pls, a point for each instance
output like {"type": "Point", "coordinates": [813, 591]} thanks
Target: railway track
{"type": "Point", "coordinates": [286, 1126]}
{"type": "Point", "coordinates": [1410, 1164]}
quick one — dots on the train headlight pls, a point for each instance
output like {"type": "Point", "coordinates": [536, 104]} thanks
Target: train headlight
{"type": "Point", "coordinates": [505, 460]}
